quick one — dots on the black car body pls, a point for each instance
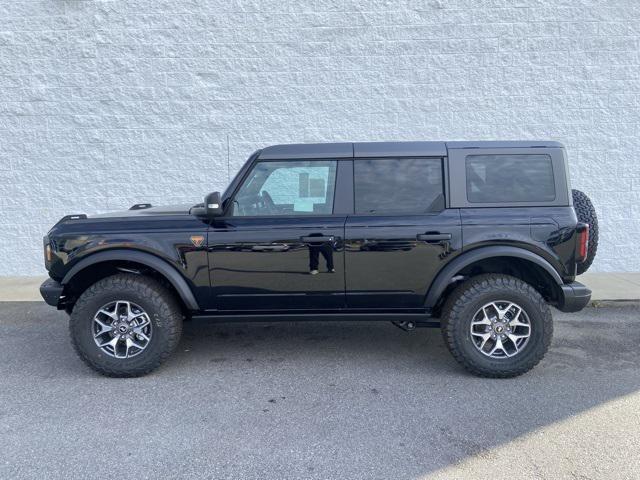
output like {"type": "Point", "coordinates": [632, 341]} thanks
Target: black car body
{"type": "Point", "coordinates": [390, 229]}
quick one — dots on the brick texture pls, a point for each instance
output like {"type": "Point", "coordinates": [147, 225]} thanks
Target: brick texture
{"type": "Point", "coordinates": [107, 103]}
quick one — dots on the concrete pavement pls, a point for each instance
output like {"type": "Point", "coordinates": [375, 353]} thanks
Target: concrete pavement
{"type": "Point", "coordinates": [312, 400]}
{"type": "Point", "coordinates": [612, 286]}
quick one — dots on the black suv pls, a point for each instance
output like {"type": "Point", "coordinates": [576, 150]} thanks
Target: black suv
{"type": "Point", "coordinates": [478, 238]}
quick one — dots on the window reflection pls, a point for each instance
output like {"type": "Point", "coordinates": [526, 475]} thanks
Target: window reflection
{"type": "Point", "coordinates": [287, 188]}
{"type": "Point", "coordinates": [395, 186]}
{"type": "Point", "coordinates": [510, 178]}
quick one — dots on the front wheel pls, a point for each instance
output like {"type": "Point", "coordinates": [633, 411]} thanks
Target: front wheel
{"type": "Point", "coordinates": [125, 325]}
{"type": "Point", "coordinates": [497, 326]}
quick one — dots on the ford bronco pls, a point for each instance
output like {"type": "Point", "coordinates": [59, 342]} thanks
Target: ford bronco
{"type": "Point", "coordinates": [477, 238]}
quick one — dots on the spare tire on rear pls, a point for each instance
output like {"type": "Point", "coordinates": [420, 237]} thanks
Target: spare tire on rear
{"type": "Point", "coordinates": [586, 214]}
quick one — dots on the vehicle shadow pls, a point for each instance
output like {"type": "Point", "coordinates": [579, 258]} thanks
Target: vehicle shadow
{"type": "Point", "coordinates": [405, 393]}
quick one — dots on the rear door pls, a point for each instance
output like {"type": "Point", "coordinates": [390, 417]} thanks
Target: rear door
{"type": "Point", "coordinates": [281, 244]}
{"type": "Point", "coordinates": [401, 234]}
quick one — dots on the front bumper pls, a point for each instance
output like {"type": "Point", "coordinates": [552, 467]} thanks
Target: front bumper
{"type": "Point", "coordinates": [575, 296]}
{"type": "Point", "coordinates": [51, 291]}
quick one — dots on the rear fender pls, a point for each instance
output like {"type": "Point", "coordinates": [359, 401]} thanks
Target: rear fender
{"type": "Point", "coordinates": [444, 277]}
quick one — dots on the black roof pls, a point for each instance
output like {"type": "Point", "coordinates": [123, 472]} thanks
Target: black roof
{"type": "Point", "coordinates": [399, 149]}
{"type": "Point", "coordinates": [307, 150]}
{"type": "Point", "coordinates": [506, 144]}
{"type": "Point", "coordinates": [386, 149]}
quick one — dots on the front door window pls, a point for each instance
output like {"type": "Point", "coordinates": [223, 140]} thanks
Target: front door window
{"type": "Point", "coordinates": [287, 188]}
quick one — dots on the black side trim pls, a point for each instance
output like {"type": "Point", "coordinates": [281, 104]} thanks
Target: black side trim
{"type": "Point", "coordinates": [575, 296]}
{"type": "Point", "coordinates": [420, 318]}
{"type": "Point", "coordinates": [51, 291]}
{"type": "Point", "coordinates": [166, 269]}
{"type": "Point", "coordinates": [343, 198]}
{"type": "Point", "coordinates": [141, 206]}
{"type": "Point", "coordinates": [447, 273]}
{"type": "Point", "coordinates": [66, 218]}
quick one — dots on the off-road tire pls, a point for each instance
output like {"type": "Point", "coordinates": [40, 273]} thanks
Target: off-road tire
{"type": "Point", "coordinates": [159, 303]}
{"type": "Point", "coordinates": [468, 298]}
{"type": "Point", "coordinates": [586, 214]}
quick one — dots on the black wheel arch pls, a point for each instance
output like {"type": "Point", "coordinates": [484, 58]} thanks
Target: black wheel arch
{"type": "Point", "coordinates": [168, 272]}
{"type": "Point", "coordinates": [443, 279]}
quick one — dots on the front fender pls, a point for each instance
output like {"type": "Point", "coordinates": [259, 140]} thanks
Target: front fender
{"type": "Point", "coordinates": [161, 266]}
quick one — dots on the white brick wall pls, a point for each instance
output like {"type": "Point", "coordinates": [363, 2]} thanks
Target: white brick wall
{"type": "Point", "coordinates": [108, 103]}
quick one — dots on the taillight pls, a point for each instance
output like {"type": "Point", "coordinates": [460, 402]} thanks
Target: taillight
{"type": "Point", "coordinates": [583, 241]}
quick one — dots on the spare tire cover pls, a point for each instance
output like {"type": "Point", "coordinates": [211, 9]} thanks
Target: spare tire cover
{"type": "Point", "coordinates": [586, 214]}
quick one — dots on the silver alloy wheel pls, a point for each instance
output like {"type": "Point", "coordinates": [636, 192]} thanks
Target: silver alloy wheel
{"type": "Point", "coordinates": [500, 329]}
{"type": "Point", "coordinates": [121, 329]}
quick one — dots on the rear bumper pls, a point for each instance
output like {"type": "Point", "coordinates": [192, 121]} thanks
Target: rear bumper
{"type": "Point", "coordinates": [51, 291]}
{"type": "Point", "coordinates": [575, 296]}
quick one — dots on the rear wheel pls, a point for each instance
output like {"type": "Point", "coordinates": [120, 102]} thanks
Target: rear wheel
{"type": "Point", "coordinates": [497, 326]}
{"type": "Point", "coordinates": [586, 213]}
{"type": "Point", "coordinates": [125, 325]}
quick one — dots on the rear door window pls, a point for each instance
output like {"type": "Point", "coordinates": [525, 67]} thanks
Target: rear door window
{"type": "Point", "coordinates": [398, 186]}
{"type": "Point", "coordinates": [509, 178]}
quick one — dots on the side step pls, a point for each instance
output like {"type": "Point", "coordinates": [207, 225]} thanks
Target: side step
{"type": "Point", "coordinates": [420, 319]}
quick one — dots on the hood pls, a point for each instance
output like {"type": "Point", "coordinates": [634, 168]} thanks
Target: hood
{"type": "Point", "coordinates": [145, 209]}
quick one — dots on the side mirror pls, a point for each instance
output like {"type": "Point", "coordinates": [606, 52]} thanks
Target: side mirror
{"type": "Point", "coordinates": [213, 205]}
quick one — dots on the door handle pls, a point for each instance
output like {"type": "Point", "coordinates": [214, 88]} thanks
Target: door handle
{"type": "Point", "coordinates": [434, 237]}
{"type": "Point", "coordinates": [321, 239]}
{"type": "Point", "coordinates": [270, 248]}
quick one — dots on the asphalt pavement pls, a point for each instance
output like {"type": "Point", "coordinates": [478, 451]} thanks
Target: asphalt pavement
{"type": "Point", "coordinates": [320, 400]}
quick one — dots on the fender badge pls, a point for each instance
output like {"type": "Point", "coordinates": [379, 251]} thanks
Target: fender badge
{"type": "Point", "coordinates": [197, 240]}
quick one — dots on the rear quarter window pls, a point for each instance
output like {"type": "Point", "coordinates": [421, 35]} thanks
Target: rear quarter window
{"type": "Point", "coordinates": [509, 178]}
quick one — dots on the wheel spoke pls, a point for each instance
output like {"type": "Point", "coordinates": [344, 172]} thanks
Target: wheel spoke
{"type": "Point", "coordinates": [516, 321]}
{"type": "Point", "coordinates": [498, 346]}
{"type": "Point", "coordinates": [485, 338]}
{"type": "Point", "coordinates": [484, 320]}
{"type": "Point", "coordinates": [113, 342]}
{"type": "Point", "coordinates": [515, 338]}
{"type": "Point", "coordinates": [104, 328]}
{"type": "Point", "coordinates": [127, 309]}
{"type": "Point", "coordinates": [145, 320]}
{"type": "Point", "coordinates": [503, 311]}
{"type": "Point", "coordinates": [115, 351]}
{"type": "Point", "coordinates": [481, 322]}
{"type": "Point", "coordinates": [112, 315]}
{"type": "Point", "coordinates": [141, 333]}
{"type": "Point", "coordinates": [131, 343]}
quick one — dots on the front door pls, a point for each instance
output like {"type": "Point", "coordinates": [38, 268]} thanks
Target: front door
{"type": "Point", "coordinates": [280, 246]}
{"type": "Point", "coordinates": [401, 235]}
